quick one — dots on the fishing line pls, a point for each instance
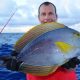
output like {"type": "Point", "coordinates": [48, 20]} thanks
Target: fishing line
{"type": "Point", "coordinates": [8, 21]}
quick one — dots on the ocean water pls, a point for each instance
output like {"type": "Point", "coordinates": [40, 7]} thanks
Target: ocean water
{"type": "Point", "coordinates": [7, 41]}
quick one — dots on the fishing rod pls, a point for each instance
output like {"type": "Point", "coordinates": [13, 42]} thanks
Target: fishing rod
{"type": "Point", "coordinates": [8, 21]}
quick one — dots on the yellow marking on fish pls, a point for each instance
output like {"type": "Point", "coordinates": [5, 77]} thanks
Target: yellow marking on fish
{"type": "Point", "coordinates": [64, 47]}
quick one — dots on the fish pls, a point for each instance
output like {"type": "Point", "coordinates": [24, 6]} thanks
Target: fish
{"type": "Point", "coordinates": [35, 32]}
{"type": "Point", "coordinates": [48, 51]}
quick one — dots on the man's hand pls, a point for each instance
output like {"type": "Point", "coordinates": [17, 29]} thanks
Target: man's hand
{"type": "Point", "coordinates": [71, 63]}
{"type": "Point", "coordinates": [11, 62]}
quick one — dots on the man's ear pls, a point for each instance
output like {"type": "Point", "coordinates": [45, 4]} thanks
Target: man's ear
{"type": "Point", "coordinates": [38, 17]}
{"type": "Point", "coordinates": [56, 17]}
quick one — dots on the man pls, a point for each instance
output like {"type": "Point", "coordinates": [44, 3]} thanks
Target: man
{"type": "Point", "coordinates": [47, 13]}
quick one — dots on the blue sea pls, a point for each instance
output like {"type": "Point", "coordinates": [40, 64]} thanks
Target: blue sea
{"type": "Point", "coordinates": [7, 41]}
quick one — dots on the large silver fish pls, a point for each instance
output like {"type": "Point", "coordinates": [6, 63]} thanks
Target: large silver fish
{"type": "Point", "coordinates": [44, 54]}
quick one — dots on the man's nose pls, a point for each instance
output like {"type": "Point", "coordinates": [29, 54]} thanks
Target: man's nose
{"type": "Point", "coordinates": [47, 17]}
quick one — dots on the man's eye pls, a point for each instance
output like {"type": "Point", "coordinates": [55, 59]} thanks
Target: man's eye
{"type": "Point", "coordinates": [43, 14]}
{"type": "Point", "coordinates": [51, 13]}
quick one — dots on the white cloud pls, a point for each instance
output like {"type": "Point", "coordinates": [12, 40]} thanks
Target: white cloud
{"type": "Point", "coordinates": [13, 29]}
{"type": "Point", "coordinates": [66, 7]}
{"type": "Point", "coordinates": [75, 27]}
{"type": "Point", "coordinates": [77, 5]}
{"type": "Point", "coordinates": [20, 3]}
{"type": "Point", "coordinates": [22, 13]}
{"type": "Point", "coordinates": [27, 11]}
{"type": "Point", "coordinates": [2, 5]}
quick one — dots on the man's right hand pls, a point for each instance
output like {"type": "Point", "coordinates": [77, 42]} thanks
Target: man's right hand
{"type": "Point", "coordinates": [11, 62]}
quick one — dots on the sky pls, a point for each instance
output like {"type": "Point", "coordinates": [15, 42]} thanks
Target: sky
{"type": "Point", "coordinates": [26, 11]}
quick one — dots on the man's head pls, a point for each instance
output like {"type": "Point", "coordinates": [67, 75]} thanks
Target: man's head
{"type": "Point", "coordinates": [47, 12]}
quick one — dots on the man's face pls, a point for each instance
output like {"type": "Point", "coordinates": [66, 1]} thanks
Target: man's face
{"type": "Point", "coordinates": [47, 14]}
